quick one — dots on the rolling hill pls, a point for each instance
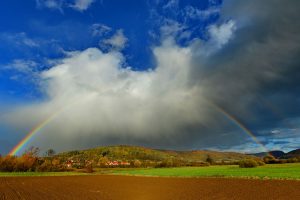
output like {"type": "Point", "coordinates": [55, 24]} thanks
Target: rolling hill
{"type": "Point", "coordinates": [131, 153]}
{"type": "Point", "coordinates": [276, 154]}
{"type": "Point", "coordinates": [292, 154]}
{"type": "Point", "coordinates": [279, 154]}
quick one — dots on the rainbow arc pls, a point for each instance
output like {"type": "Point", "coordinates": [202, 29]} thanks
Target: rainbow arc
{"type": "Point", "coordinates": [22, 144]}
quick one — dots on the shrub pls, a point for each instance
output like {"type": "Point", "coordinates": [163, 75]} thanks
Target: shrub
{"type": "Point", "coordinates": [89, 168]}
{"type": "Point", "coordinates": [160, 164]}
{"type": "Point", "coordinates": [46, 166]}
{"type": "Point", "coordinates": [269, 159]}
{"type": "Point", "coordinates": [210, 160]}
{"type": "Point", "coordinates": [50, 153]}
{"type": "Point", "coordinates": [248, 163]}
{"type": "Point", "coordinates": [8, 164]}
{"type": "Point", "coordinates": [292, 160]}
{"type": "Point", "coordinates": [260, 162]}
{"type": "Point", "coordinates": [103, 161]}
{"type": "Point", "coordinates": [137, 163]}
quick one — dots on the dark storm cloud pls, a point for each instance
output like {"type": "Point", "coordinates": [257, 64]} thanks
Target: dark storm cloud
{"type": "Point", "coordinates": [261, 64]}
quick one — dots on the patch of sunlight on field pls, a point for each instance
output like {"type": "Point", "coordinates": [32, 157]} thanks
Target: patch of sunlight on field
{"type": "Point", "coordinates": [273, 171]}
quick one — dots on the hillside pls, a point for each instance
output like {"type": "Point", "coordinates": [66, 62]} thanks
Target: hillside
{"type": "Point", "coordinates": [132, 153]}
{"type": "Point", "coordinates": [276, 154]}
{"type": "Point", "coordinates": [292, 154]}
{"type": "Point", "coordinates": [279, 154]}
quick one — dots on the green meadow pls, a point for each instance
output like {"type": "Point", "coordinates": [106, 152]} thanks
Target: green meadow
{"type": "Point", "coordinates": [272, 171]}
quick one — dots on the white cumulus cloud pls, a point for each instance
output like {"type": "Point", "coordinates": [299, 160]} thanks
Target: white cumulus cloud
{"type": "Point", "coordinates": [100, 29]}
{"type": "Point", "coordinates": [79, 5]}
{"type": "Point", "coordinates": [92, 95]}
{"type": "Point", "coordinates": [117, 41]}
{"type": "Point", "coordinates": [220, 35]}
{"type": "Point", "coordinates": [51, 4]}
{"type": "Point", "coordinates": [82, 5]}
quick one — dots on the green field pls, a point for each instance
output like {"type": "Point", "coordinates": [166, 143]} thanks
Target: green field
{"type": "Point", "coordinates": [272, 171]}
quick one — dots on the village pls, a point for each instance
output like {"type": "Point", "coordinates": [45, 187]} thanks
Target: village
{"type": "Point", "coordinates": [81, 164]}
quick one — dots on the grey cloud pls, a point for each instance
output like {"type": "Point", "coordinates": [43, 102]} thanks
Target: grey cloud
{"type": "Point", "coordinates": [265, 45]}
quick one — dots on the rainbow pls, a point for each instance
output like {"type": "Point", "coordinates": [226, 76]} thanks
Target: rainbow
{"type": "Point", "coordinates": [37, 128]}
{"type": "Point", "coordinates": [30, 135]}
{"type": "Point", "coordinates": [239, 124]}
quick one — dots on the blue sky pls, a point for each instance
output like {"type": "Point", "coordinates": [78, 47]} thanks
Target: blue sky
{"type": "Point", "coordinates": [48, 28]}
{"type": "Point", "coordinates": [143, 72]}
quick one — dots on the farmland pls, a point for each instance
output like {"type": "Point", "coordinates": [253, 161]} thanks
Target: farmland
{"type": "Point", "coordinates": [270, 171]}
{"type": "Point", "coordinates": [212, 182]}
{"type": "Point", "coordinates": [273, 171]}
{"type": "Point", "coordinates": [106, 187]}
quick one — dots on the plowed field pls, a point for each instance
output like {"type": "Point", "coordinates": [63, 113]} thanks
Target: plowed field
{"type": "Point", "coordinates": [111, 187]}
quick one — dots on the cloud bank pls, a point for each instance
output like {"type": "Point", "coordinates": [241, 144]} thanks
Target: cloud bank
{"type": "Point", "coordinates": [93, 95]}
{"type": "Point", "coordinates": [98, 99]}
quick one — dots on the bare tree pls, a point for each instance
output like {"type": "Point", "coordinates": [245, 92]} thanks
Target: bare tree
{"type": "Point", "coordinates": [50, 152]}
{"type": "Point", "coordinates": [32, 151]}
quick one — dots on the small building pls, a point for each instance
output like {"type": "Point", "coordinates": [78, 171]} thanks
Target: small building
{"type": "Point", "coordinates": [125, 163]}
{"type": "Point", "coordinates": [112, 163]}
{"type": "Point", "coordinates": [69, 163]}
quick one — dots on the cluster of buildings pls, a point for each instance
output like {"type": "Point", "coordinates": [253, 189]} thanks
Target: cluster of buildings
{"type": "Point", "coordinates": [116, 163]}
{"type": "Point", "coordinates": [72, 163]}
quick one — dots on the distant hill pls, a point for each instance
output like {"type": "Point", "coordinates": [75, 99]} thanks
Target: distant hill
{"type": "Point", "coordinates": [292, 154]}
{"type": "Point", "coordinates": [260, 154]}
{"type": "Point", "coordinates": [131, 153]}
{"type": "Point", "coordinates": [276, 154]}
{"type": "Point", "coordinates": [279, 154]}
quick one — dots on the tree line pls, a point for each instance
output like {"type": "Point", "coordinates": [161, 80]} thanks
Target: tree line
{"type": "Point", "coordinates": [30, 161]}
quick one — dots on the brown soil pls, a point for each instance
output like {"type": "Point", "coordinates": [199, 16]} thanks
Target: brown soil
{"type": "Point", "coordinates": [106, 187]}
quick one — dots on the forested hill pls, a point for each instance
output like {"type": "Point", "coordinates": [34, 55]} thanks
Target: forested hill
{"type": "Point", "coordinates": [130, 153]}
{"type": "Point", "coordinates": [279, 154]}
